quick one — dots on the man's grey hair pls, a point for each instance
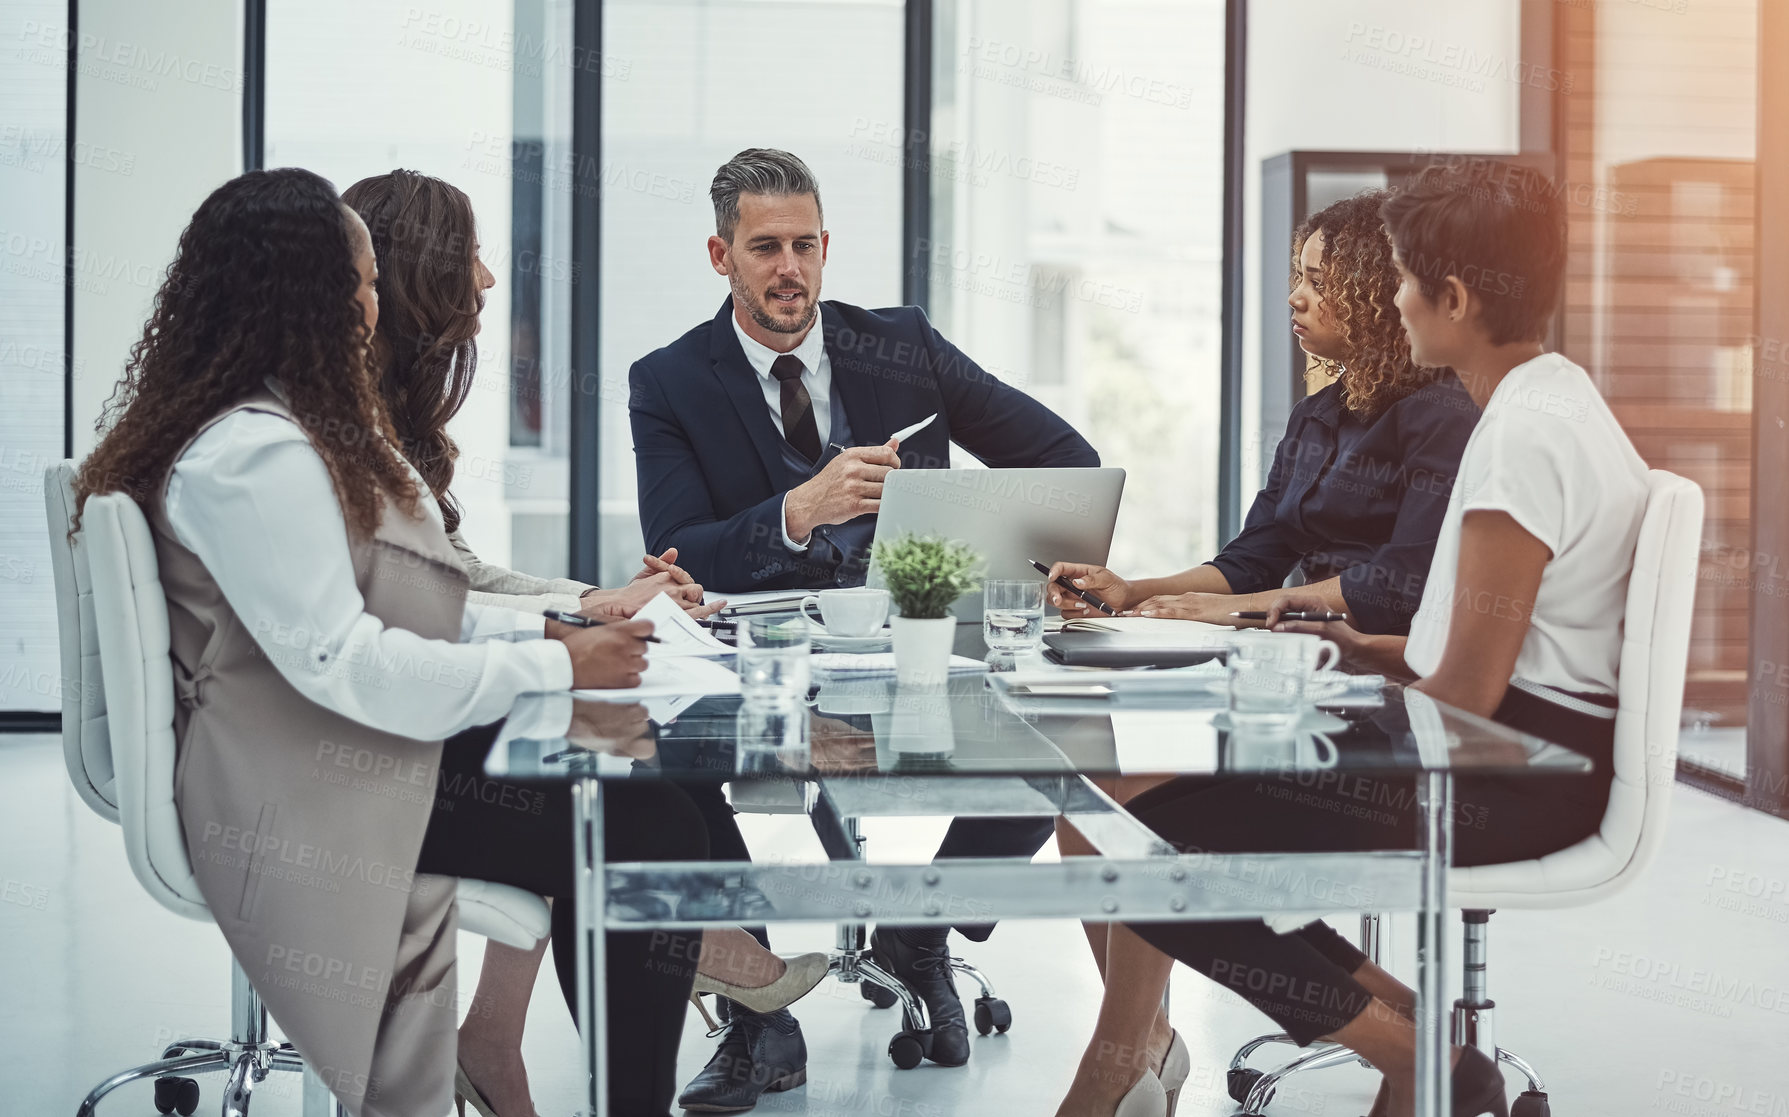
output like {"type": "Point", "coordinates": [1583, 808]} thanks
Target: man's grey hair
{"type": "Point", "coordinates": [757, 170]}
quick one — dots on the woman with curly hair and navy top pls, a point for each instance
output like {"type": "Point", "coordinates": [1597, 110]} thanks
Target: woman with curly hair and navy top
{"type": "Point", "coordinates": [1352, 506]}
{"type": "Point", "coordinates": [1520, 622]}
{"type": "Point", "coordinates": [1356, 491]}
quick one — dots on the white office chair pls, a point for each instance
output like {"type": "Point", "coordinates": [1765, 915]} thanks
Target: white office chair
{"type": "Point", "coordinates": [118, 743]}
{"type": "Point", "coordinates": [1654, 655]}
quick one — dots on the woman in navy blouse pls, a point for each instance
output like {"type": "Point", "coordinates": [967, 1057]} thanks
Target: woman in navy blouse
{"type": "Point", "coordinates": [1354, 503]}
{"type": "Point", "coordinates": [1359, 484]}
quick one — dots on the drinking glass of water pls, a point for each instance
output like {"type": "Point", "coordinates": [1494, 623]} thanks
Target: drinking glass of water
{"type": "Point", "coordinates": [773, 662]}
{"type": "Point", "coordinates": [1012, 615]}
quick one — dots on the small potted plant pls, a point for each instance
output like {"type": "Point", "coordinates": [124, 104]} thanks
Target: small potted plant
{"type": "Point", "coordinates": [924, 576]}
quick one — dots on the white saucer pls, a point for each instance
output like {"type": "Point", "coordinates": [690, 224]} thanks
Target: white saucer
{"type": "Point", "coordinates": [1310, 720]}
{"type": "Point", "coordinates": [1323, 687]}
{"type": "Point", "coordinates": [826, 641]}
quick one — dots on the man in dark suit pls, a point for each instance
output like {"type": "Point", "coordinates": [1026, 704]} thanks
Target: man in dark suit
{"type": "Point", "coordinates": [761, 440]}
{"type": "Point", "coordinates": [761, 437]}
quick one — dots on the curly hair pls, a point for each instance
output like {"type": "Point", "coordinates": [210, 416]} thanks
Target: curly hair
{"type": "Point", "coordinates": [1359, 282]}
{"type": "Point", "coordinates": [425, 349]}
{"type": "Point", "coordinates": [261, 292]}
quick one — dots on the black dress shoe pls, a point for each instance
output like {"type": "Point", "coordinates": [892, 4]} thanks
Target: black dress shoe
{"type": "Point", "coordinates": [925, 968]}
{"type": "Point", "coordinates": [759, 1053]}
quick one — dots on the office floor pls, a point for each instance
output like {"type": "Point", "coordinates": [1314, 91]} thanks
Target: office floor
{"type": "Point", "coordinates": [1673, 996]}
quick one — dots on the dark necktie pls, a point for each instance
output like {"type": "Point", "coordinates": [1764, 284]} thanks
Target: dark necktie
{"type": "Point", "coordinates": [798, 409]}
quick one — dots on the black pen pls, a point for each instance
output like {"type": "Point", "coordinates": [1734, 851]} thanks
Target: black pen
{"type": "Point", "coordinates": [1077, 591]}
{"type": "Point", "coordinates": [1256, 615]}
{"type": "Point", "coordinates": [576, 621]}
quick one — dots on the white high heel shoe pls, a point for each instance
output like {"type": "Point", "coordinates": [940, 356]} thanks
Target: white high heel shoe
{"type": "Point", "coordinates": [1145, 1099]}
{"type": "Point", "coordinates": [1175, 1067]}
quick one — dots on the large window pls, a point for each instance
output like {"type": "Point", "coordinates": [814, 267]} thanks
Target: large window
{"type": "Point", "coordinates": [33, 155]}
{"type": "Point", "coordinates": [476, 92]}
{"type": "Point", "coordinates": [1077, 171]}
{"type": "Point", "coordinates": [688, 84]}
{"type": "Point", "coordinates": [1659, 145]}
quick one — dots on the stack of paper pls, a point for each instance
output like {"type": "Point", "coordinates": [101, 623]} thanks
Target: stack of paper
{"type": "Point", "coordinates": [670, 676]}
{"type": "Point", "coordinates": [838, 664]}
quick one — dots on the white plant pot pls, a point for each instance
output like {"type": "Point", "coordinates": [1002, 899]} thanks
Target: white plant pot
{"type": "Point", "coordinates": [922, 649]}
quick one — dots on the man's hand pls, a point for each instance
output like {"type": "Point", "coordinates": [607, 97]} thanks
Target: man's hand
{"type": "Point", "coordinates": [849, 487]}
{"type": "Point", "coordinates": [607, 657]}
{"type": "Point", "coordinates": [1096, 580]}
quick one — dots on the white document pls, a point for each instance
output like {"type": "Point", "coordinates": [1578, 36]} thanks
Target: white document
{"type": "Point", "coordinates": [905, 433]}
{"type": "Point", "coordinates": [670, 677]}
{"type": "Point", "coordinates": [677, 633]}
{"type": "Point", "coordinates": [878, 663]}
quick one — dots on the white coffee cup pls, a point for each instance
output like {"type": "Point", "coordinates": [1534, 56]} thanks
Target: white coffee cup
{"type": "Point", "coordinates": [859, 611]}
{"type": "Point", "coordinates": [1268, 672]}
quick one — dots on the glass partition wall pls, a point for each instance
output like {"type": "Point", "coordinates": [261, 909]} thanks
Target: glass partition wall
{"type": "Point", "coordinates": [1658, 145]}
{"type": "Point", "coordinates": [1077, 202]}
{"type": "Point", "coordinates": [476, 92]}
{"type": "Point", "coordinates": [34, 156]}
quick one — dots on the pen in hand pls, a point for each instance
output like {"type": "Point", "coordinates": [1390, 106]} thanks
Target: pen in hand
{"type": "Point", "coordinates": [577, 621]}
{"type": "Point", "coordinates": [1077, 591]}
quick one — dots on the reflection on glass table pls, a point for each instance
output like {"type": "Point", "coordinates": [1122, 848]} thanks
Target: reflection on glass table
{"type": "Point", "coordinates": [978, 726]}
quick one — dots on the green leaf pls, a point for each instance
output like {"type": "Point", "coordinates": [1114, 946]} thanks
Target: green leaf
{"type": "Point", "coordinates": [925, 574]}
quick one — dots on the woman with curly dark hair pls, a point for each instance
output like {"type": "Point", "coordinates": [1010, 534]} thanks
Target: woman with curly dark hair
{"type": "Point", "coordinates": [1353, 506]}
{"type": "Point", "coordinates": [1354, 498]}
{"type": "Point", "coordinates": [329, 670]}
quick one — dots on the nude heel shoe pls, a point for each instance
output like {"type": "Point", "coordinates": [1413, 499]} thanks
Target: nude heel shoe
{"type": "Point", "coordinates": [1175, 1067]}
{"type": "Point", "coordinates": [1145, 1099]}
{"type": "Point", "coordinates": [800, 974]}
{"type": "Point", "coordinates": [464, 1091]}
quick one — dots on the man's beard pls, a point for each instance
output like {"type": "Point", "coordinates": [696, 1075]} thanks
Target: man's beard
{"type": "Point", "coordinates": [761, 314]}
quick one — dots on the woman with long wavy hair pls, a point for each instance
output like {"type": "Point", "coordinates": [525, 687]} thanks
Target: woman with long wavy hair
{"type": "Point", "coordinates": [431, 289]}
{"type": "Point", "coordinates": [1352, 507]}
{"type": "Point", "coordinates": [431, 295]}
{"type": "Point", "coordinates": [333, 685]}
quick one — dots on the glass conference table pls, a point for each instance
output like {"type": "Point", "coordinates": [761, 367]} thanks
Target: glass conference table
{"type": "Point", "coordinates": [977, 747]}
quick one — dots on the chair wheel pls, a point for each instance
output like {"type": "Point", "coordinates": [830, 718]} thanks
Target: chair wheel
{"type": "Point", "coordinates": [1239, 1081]}
{"type": "Point", "coordinates": [992, 1015]}
{"type": "Point", "coordinates": [906, 1050]}
{"type": "Point", "coordinates": [1530, 1103]}
{"type": "Point", "coordinates": [876, 995]}
{"type": "Point", "coordinates": [176, 1095]}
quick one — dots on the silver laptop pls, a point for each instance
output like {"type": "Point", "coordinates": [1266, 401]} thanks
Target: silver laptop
{"type": "Point", "coordinates": [1009, 516]}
